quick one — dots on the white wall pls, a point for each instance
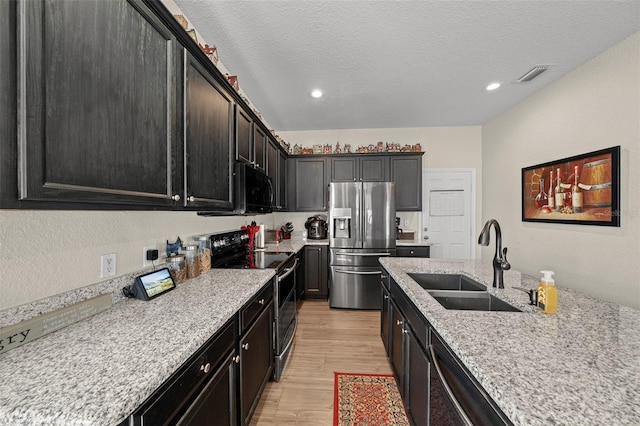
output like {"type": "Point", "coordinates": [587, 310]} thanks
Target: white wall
{"type": "Point", "coordinates": [594, 107]}
{"type": "Point", "coordinates": [43, 253]}
{"type": "Point", "coordinates": [444, 147]}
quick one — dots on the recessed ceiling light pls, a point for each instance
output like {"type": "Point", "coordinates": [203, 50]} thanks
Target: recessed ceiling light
{"type": "Point", "coordinates": [316, 93]}
{"type": "Point", "coordinates": [492, 86]}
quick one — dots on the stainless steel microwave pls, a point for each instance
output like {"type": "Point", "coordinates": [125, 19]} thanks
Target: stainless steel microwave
{"type": "Point", "coordinates": [253, 190]}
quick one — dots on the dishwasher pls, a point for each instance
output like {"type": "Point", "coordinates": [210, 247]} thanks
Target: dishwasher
{"type": "Point", "coordinates": [455, 397]}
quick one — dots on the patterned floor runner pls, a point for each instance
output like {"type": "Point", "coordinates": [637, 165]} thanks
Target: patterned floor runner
{"type": "Point", "coordinates": [367, 400]}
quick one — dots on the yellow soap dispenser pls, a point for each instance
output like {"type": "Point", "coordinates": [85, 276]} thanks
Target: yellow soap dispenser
{"type": "Point", "coordinates": [547, 293]}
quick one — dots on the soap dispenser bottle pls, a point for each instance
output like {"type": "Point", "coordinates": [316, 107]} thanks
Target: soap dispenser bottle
{"type": "Point", "coordinates": [547, 293]}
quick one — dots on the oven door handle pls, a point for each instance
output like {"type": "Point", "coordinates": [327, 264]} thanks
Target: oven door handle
{"type": "Point", "coordinates": [456, 405]}
{"type": "Point", "coordinates": [287, 271]}
{"type": "Point", "coordinates": [290, 342]}
{"type": "Point", "coordinates": [363, 254]}
{"type": "Point", "coordinates": [344, 271]}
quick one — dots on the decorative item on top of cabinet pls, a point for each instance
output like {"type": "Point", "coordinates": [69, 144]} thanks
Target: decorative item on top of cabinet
{"type": "Point", "coordinates": [211, 52]}
{"type": "Point", "coordinates": [233, 80]}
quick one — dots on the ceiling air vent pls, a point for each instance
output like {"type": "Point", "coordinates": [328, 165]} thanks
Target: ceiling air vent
{"type": "Point", "coordinates": [532, 73]}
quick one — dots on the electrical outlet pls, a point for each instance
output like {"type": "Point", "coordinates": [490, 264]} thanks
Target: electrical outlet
{"type": "Point", "coordinates": [107, 265]}
{"type": "Point", "coordinates": [406, 222]}
{"type": "Point", "coordinates": [145, 262]}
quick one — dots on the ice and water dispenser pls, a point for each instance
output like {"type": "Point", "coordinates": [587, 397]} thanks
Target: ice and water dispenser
{"type": "Point", "coordinates": [341, 223]}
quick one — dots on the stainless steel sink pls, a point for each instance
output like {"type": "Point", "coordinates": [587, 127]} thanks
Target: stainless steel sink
{"type": "Point", "coordinates": [447, 282]}
{"type": "Point", "coordinates": [471, 301]}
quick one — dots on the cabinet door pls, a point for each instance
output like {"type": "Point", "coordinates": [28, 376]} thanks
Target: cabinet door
{"type": "Point", "coordinates": [8, 90]}
{"type": "Point", "coordinates": [244, 148]}
{"type": "Point", "coordinates": [282, 202]}
{"type": "Point", "coordinates": [397, 341]}
{"type": "Point", "coordinates": [316, 272]}
{"type": "Point", "coordinates": [385, 319]}
{"type": "Point", "coordinates": [216, 403]}
{"type": "Point", "coordinates": [344, 169]}
{"type": "Point", "coordinates": [406, 172]}
{"type": "Point", "coordinates": [417, 381]}
{"type": "Point", "coordinates": [272, 171]}
{"type": "Point", "coordinates": [256, 362]}
{"type": "Point", "coordinates": [359, 168]}
{"type": "Point", "coordinates": [97, 117]}
{"type": "Point", "coordinates": [373, 169]}
{"type": "Point", "coordinates": [207, 139]}
{"type": "Point", "coordinates": [310, 184]}
{"type": "Point", "coordinates": [259, 149]}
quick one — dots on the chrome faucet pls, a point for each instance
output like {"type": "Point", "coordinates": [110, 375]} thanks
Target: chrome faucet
{"type": "Point", "coordinates": [500, 263]}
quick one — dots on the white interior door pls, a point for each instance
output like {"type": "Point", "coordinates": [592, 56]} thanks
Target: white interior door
{"type": "Point", "coordinates": [448, 212]}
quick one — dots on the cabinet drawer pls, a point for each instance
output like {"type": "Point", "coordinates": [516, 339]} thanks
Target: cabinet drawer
{"type": "Point", "coordinates": [255, 306]}
{"type": "Point", "coordinates": [413, 251]}
{"type": "Point", "coordinates": [175, 394]}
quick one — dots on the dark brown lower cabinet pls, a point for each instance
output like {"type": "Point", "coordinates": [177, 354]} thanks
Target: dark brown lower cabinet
{"type": "Point", "coordinates": [413, 251]}
{"type": "Point", "coordinates": [396, 354]}
{"type": "Point", "coordinates": [256, 362]}
{"type": "Point", "coordinates": [316, 271]}
{"type": "Point", "coordinates": [385, 318]}
{"type": "Point", "coordinates": [216, 404]}
{"type": "Point", "coordinates": [417, 382]}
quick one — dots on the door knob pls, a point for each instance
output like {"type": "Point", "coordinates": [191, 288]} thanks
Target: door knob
{"type": "Point", "coordinates": [175, 197]}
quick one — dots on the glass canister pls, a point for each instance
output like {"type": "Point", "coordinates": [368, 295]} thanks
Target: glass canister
{"type": "Point", "coordinates": [177, 267]}
{"type": "Point", "coordinates": [204, 251]}
{"type": "Point", "coordinates": [192, 260]}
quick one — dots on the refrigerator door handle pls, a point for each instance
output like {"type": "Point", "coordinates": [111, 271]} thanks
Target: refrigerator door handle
{"type": "Point", "coordinates": [343, 271]}
{"type": "Point", "coordinates": [363, 254]}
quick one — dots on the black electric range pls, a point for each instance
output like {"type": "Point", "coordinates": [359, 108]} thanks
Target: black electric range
{"type": "Point", "coordinates": [230, 250]}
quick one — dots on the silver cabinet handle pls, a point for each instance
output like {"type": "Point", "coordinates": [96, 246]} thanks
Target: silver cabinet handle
{"type": "Point", "coordinates": [191, 199]}
{"type": "Point", "coordinates": [386, 297]}
{"type": "Point", "coordinates": [176, 197]}
{"type": "Point", "coordinates": [363, 254]}
{"type": "Point", "coordinates": [236, 359]}
{"type": "Point", "coordinates": [261, 302]}
{"type": "Point", "coordinates": [342, 271]}
{"type": "Point", "coordinates": [245, 346]}
{"type": "Point", "coordinates": [398, 322]}
{"type": "Point", "coordinates": [206, 368]}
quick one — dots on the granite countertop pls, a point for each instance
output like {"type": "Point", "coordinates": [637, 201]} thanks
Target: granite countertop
{"type": "Point", "coordinates": [580, 366]}
{"type": "Point", "coordinates": [98, 371]}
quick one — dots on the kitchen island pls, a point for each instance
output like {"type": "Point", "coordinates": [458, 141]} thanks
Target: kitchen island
{"type": "Point", "coordinates": [98, 371]}
{"type": "Point", "coordinates": [580, 366]}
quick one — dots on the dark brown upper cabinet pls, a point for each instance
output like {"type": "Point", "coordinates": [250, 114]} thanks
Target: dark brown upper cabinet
{"type": "Point", "coordinates": [406, 172]}
{"type": "Point", "coordinates": [208, 140]}
{"type": "Point", "coordinates": [359, 167]}
{"type": "Point", "coordinates": [244, 136]}
{"type": "Point", "coordinates": [259, 148]}
{"type": "Point", "coordinates": [97, 104]}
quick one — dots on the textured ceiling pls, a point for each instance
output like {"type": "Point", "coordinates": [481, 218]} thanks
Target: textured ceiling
{"type": "Point", "coordinates": [401, 63]}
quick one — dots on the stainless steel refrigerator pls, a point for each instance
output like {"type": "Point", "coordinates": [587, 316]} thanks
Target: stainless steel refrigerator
{"type": "Point", "coordinates": [361, 230]}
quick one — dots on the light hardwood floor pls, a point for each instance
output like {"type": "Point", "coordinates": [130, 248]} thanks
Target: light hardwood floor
{"type": "Point", "coordinates": [327, 340]}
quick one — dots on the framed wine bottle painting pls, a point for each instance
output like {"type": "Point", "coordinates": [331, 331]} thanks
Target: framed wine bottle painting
{"type": "Point", "coordinates": [584, 189]}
